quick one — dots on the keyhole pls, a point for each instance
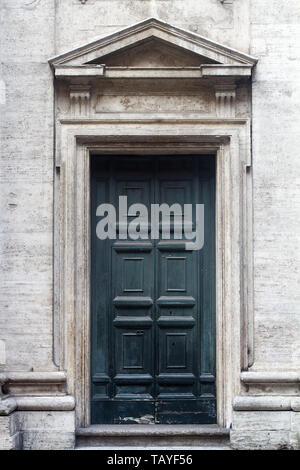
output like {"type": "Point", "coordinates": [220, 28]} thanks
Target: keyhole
{"type": "Point", "coordinates": [171, 313]}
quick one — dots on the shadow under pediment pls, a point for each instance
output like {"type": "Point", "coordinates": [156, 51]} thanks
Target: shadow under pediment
{"type": "Point", "coordinates": [153, 53]}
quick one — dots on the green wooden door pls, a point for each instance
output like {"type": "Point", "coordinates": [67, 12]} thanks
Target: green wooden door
{"type": "Point", "coordinates": [153, 302]}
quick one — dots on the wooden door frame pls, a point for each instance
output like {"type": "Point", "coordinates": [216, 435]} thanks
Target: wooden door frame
{"type": "Point", "coordinates": [229, 140]}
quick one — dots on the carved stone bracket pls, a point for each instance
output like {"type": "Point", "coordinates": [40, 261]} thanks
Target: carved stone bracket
{"type": "Point", "coordinates": [225, 100]}
{"type": "Point", "coordinates": [79, 100]}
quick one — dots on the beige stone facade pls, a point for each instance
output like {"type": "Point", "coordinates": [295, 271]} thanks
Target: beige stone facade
{"type": "Point", "coordinates": [159, 77]}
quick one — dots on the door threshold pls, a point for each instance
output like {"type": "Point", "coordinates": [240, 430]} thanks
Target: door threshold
{"type": "Point", "coordinates": [152, 436]}
{"type": "Point", "coordinates": [153, 429]}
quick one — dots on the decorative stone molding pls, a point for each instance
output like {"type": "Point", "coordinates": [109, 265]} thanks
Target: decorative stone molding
{"type": "Point", "coordinates": [79, 100]}
{"type": "Point", "coordinates": [276, 382]}
{"type": "Point", "coordinates": [270, 377]}
{"type": "Point", "coordinates": [38, 391]}
{"type": "Point", "coordinates": [66, 403]}
{"type": "Point", "coordinates": [7, 406]}
{"type": "Point", "coordinates": [218, 72]}
{"type": "Point", "coordinates": [266, 403]}
{"type": "Point", "coordinates": [91, 53]}
{"type": "Point", "coordinates": [225, 100]}
{"type": "Point", "coordinates": [53, 403]}
{"type": "Point", "coordinates": [33, 377]}
{"type": "Point", "coordinates": [33, 383]}
{"type": "Point", "coordinates": [79, 71]}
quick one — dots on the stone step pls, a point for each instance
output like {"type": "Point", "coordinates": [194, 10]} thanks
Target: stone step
{"type": "Point", "coordinates": [160, 448]}
{"type": "Point", "coordinates": [152, 436]}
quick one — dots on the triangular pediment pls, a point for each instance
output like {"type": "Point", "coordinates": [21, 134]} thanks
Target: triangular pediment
{"type": "Point", "coordinates": [153, 43]}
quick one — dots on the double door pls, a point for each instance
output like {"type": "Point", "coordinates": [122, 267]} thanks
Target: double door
{"type": "Point", "coordinates": [153, 301]}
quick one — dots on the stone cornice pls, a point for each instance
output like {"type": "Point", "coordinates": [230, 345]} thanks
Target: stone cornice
{"type": "Point", "coordinates": [109, 118]}
{"type": "Point", "coordinates": [153, 28]}
{"type": "Point", "coordinates": [203, 71]}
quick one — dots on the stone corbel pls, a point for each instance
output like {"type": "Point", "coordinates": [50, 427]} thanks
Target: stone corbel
{"type": "Point", "coordinates": [225, 100]}
{"type": "Point", "coordinates": [80, 100]}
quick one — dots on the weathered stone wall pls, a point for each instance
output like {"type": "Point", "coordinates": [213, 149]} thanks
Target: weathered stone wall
{"type": "Point", "coordinates": [78, 22]}
{"type": "Point", "coordinates": [275, 41]}
{"type": "Point", "coordinates": [27, 41]}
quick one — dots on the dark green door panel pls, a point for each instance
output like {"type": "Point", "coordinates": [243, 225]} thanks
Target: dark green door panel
{"type": "Point", "coordinates": [153, 302]}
